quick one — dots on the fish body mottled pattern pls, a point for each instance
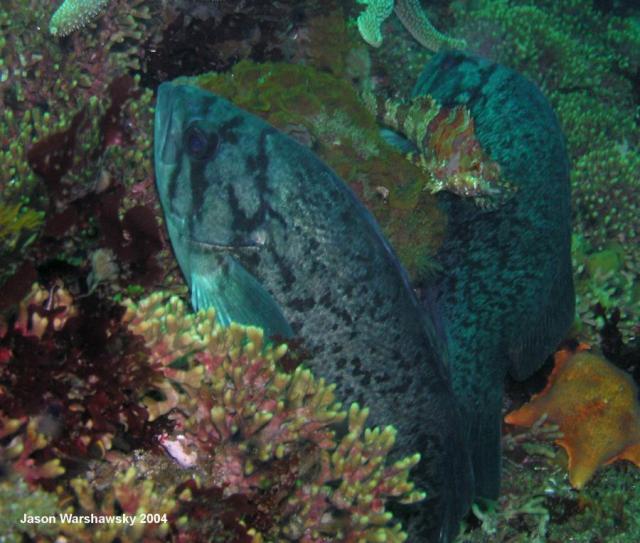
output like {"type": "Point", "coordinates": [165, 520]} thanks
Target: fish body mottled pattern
{"type": "Point", "coordinates": [241, 198]}
{"type": "Point", "coordinates": [506, 293]}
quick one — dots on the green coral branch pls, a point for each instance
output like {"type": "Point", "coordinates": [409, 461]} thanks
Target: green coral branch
{"type": "Point", "coordinates": [74, 14]}
{"type": "Point", "coordinates": [411, 15]}
{"type": "Point", "coordinates": [18, 225]}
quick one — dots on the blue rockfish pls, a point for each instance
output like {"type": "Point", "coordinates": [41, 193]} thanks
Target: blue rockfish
{"type": "Point", "coordinates": [268, 235]}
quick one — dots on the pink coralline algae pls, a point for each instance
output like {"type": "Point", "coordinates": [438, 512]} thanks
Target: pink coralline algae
{"type": "Point", "coordinates": [166, 411]}
{"type": "Point", "coordinates": [254, 430]}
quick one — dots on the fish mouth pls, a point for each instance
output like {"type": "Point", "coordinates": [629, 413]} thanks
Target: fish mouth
{"type": "Point", "coordinates": [225, 246]}
{"type": "Point", "coordinates": [178, 225]}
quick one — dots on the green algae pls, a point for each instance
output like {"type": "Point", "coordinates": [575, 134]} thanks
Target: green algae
{"type": "Point", "coordinates": [537, 504]}
{"type": "Point", "coordinates": [17, 499]}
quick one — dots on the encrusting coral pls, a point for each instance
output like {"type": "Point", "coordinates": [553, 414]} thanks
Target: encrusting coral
{"type": "Point", "coordinates": [73, 14]}
{"type": "Point", "coordinates": [596, 408]}
{"type": "Point", "coordinates": [249, 446]}
{"type": "Point", "coordinates": [412, 16]}
{"type": "Point", "coordinates": [72, 125]}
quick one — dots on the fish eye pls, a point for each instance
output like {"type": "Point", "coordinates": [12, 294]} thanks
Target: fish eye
{"type": "Point", "coordinates": [199, 144]}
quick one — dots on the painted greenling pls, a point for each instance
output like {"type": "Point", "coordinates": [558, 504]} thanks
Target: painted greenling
{"type": "Point", "coordinates": [269, 235]}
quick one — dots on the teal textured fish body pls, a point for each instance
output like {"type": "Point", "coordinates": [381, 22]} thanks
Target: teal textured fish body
{"type": "Point", "coordinates": [215, 277]}
{"type": "Point", "coordinates": [245, 204]}
{"type": "Point", "coordinates": [506, 293]}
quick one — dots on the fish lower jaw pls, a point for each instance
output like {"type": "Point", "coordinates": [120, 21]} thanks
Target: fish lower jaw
{"type": "Point", "coordinates": [219, 246]}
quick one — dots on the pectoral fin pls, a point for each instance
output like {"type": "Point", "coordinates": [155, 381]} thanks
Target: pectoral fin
{"type": "Point", "coordinates": [398, 141]}
{"type": "Point", "coordinates": [239, 297]}
{"type": "Point", "coordinates": [543, 330]}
